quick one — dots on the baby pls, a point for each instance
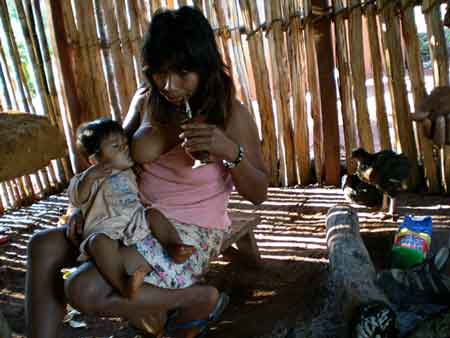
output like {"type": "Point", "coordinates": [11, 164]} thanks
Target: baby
{"type": "Point", "coordinates": [107, 195]}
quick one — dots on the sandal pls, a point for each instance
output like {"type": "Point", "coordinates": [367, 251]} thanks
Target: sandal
{"type": "Point", "coordinates": [202, 325]}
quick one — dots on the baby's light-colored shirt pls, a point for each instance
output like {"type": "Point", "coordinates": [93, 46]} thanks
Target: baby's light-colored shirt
{"type": "Point", "coordinates": [113, 208]}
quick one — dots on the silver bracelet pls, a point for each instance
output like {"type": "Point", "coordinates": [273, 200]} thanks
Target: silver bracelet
{"type": "Point", "coordinates": [235, 163]}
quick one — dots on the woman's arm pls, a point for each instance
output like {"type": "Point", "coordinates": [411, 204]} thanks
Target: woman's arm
{"type": "Point", "coordinates": [250, 177]}
{"type": "Point", "coordinates": [138, 103]}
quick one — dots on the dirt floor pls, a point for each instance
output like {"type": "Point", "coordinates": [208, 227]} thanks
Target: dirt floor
{"type": "Point", "coordinates": [284, 290]}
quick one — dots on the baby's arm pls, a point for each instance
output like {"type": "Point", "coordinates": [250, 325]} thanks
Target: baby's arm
{"type": "Point", "coordinates": [83, 187]}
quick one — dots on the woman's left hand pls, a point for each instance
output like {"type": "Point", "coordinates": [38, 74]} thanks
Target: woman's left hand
{"type": "Point", "coordinates": [210, 138]}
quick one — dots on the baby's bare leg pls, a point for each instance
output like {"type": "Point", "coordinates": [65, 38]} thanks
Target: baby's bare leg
{"type": "Point", "coordinates": [123, 273]}
{"type": "Point", "coordinates": [165, 232]}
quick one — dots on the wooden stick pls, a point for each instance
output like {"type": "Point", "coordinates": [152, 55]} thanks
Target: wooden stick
{"type": "Point", "coordinates": [110, 40]}
{"type": "Point", "coordinates": [263, 93]}
{"type": "Point", "coordinates": [359, 77]}
{"type": "Point", "coordinates": [396, 74]}
{"type": "Point", "coordinates": [439, 60]}
{"type": "Point", "coordinates": [377, 69]}
{"type": "Point", "coordinates": [24, 93]}
{"type": "Point", "coordinates": [6, 96]}
{"type": "Point", "coordinates": [281, 90]}
{"type": "Point", "coordinates": [314, 89]}
{"type": "Point", "coordinates": [415, 71]}
{"type": "Point", "coordinates": [345, 87]}
{"type": "Point", "coordinates": [297, 54]}
{"type": "Point", "coordinates": [326, 67]}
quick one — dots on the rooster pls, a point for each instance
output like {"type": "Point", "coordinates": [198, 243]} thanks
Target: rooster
{"type": "Point", "coordinates": [385, 170]}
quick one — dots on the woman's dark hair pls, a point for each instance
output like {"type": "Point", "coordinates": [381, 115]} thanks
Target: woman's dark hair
{"type": "Point", "coordinates": [91, 134]}
{"type": "Point", "coordinates": [180, 40]}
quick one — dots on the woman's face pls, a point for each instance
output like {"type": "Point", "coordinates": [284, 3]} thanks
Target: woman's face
{"type": "Point", "coordinates": [175, 86]}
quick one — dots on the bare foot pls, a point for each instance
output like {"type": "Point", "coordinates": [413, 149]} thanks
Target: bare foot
{"type": "Point", "coordinates": [135, 281]}
{"type": "Point", "coordinates": [180, 252]}
{"type": "Point", "coordinates": [151, 324]}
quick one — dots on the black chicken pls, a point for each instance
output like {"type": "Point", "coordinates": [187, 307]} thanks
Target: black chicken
{"type": "Point", "coordinates": [387, 171]}
{"type": "Point", "coordinates": [360, 192]}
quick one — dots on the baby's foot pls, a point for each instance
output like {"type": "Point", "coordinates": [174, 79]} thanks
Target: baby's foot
{"type": "Point", "coordinates": [180, 252]}
{"type": "Point", "coordinates": [135, 281]}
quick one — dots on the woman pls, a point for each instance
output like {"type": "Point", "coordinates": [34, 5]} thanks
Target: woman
{"type": "Point", "coordinates": [184, 68]}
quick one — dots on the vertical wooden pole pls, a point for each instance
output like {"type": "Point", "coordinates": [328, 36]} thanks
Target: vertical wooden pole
{"type": "Point", "coordinates": [416, 75]}
{"type": "Point", "coordinates": [345, 86]}
{"type": "Point", "coordinates": [359, 76]}
{"type": "Point", "coordinates": [263, 94]}
{"type": "Point", "coordinates": [61, 49]}
{"type": "Point", "coordinates": [439, 59]}
{"type": "Point", "coordinates": [328, 96]}
{"type": "Point", "coordinates": [297, 54]}
{"type": "Point", "coordinates": [281, 89]}
{"type": "Point", "coordinates": [396, 73]}
{"type": "Point", "coordinates": [377, 70]}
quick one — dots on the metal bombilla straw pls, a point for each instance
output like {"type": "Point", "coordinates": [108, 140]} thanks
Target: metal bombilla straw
{"type": "Point", "coordinates": [203, 154]}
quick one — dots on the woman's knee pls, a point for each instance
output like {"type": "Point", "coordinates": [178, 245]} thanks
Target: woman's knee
{"type": "Point", "coordinates": [80, 290]}
{"type": "Point", "coordinates": [48, 245]}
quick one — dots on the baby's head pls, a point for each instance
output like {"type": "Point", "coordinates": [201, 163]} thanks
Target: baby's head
{"type": "Point", "coordinates": [104, 140]}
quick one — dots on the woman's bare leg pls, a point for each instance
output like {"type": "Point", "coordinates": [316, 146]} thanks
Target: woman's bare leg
{"type": "Point", "coordinates": [87, 283]}
{"type": "Point", "coordinates": [48, 252]}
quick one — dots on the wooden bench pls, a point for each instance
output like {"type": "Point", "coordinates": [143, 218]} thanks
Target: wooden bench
{"type": "Point", "coordinates": [241, 233]}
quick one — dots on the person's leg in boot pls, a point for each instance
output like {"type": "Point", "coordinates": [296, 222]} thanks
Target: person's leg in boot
{"type": "Point", "coordinates": [165, 232]}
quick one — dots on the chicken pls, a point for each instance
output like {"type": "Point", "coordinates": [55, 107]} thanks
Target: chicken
{"type": "Point", "coordinates": [385, 170]}
{"type": "Point", "coordinates": [360, 192]}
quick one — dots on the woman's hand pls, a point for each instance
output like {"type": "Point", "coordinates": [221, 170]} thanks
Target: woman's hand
{"type": "Point", "coordinates": [210, 138]}
{"type": "Point", "coordinates": [75, 225]}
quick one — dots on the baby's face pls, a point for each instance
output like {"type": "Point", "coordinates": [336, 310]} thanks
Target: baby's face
{"type": "Point", "coordinates": [114, 149]}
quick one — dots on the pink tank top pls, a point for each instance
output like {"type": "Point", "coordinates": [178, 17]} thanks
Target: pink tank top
{"type": "Point", "coordinates": [194, 196]}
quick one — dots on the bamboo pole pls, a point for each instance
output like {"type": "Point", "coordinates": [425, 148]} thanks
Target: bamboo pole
{"type": "Point", "coordinates": [415, 70]}
{"type": "Point", "coordinates": [13, 96]}
{"type": "Point", "coordinates": [345, 87]}
{"type": "Point", "coordinates": [11, 195]}
{"type": "Point", "coordinates": [359, 76]}
{"type": "Point", "coordinates": [263, 93]}
{"type": "Point", "coordinates": [2, 206]}
{"type": "Point", "coordinates": [281, 90]}
{"type": "Point", "coordinates": [439, 59]}
{"type": "Point", "coordinates": [396, 74]}
{"type": "Point", "coordinates": [234, 38]}
{"type": "Point", "coordinates": [93, 81]}
{"type": "Point", "coordinates": [135, 39]}
{"type": "Point", "coordinates": [109, 39]}
{"type": "Point", "coordinates": [120, 11]}
{"type": "Point", "coordinates": [34, 52]}
{"type": "Point", "coordinates": [12, 46]}
{"type": "Point", "coordinates": [53, 93]}
{"type": "Point", "coordinates": [5, 197]}
{"type": "Point", "coordinates": [326, 67]}
{"type": "Point", "coordinates": [297, 55]}
{"type": "Point", "coordinates": [59, 39]}
{"type": "Point", "coordinates": [144, 13]}
{"type": "Point", "coordinates": [377, 68]}
{"type": "Point", "coordinates": [24, 93]}
{"type": "Point", "coordinates": [314, 89]}
{"type": "Point", "coordinates": [5, 92]}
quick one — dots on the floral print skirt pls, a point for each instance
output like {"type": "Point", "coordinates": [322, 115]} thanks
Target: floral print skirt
{"type": "Point", "coordinates": [169, 275]}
